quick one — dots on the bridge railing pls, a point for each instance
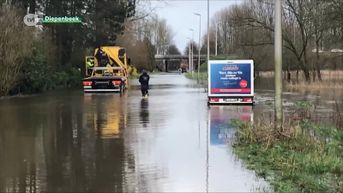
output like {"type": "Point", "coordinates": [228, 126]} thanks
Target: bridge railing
{"type": "Point", "coordinates": [167, 57]}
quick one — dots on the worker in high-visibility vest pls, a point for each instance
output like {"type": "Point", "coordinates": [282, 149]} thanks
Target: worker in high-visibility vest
{"type": "Point", "coordinates": [90, 62]}
{"type": "Point", "coordinates": [90, 65]}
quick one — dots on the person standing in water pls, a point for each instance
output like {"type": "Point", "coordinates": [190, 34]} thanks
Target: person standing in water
{"type": "Point", "coordinates": [144, 80]}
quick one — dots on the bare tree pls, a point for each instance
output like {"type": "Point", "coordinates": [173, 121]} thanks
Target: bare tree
{"type": "Point", "coordinates": [146, 37]}
{"type": "Point", "coordinates": [162, 34]}
{"type": "Point", "coordinates": [247, 30]}
{"type": "Point", "coordinates": [15, 48]}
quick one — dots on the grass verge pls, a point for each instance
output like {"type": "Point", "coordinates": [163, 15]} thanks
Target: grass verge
{"type": "Point", "coordinates": [202, 77]}
{"type": "Point", "coordinates": [302, 158]}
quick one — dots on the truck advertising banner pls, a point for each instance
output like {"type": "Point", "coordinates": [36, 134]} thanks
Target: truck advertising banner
{"type": "Point", "coordinates": [231, 78]}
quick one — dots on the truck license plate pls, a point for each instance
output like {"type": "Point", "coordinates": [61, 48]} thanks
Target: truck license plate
{"type": "Point", "coordinates": [232, 100]}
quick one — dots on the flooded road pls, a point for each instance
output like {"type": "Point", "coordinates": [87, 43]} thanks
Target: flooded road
{"type": "Point", "coordinates": [68, 141]}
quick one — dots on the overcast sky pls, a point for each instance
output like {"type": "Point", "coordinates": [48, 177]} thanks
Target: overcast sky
{"type": "Point", "coordinates": [180, 16]}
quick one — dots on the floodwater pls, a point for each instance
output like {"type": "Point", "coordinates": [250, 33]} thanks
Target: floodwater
{"type": "Point", "coordinates": [324, 106]}
{"type": "Point", "coordinates": [68, 141]}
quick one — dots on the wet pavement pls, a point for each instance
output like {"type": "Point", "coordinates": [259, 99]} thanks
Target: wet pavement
{"type": "Point", "coordinates": [68, 141]}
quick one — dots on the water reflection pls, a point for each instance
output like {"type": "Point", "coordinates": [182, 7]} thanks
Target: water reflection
{"type": "Point", "coordinates": [221, 159]}
{"type": "Point", "coordinates": [63, 145]}
{"type": "Point", "coordinates": [17, 151]}
{"type": "Point", "coordinates": [107, 116]}
{"type": "Point", "coordinates": [144, 112]}
{"type": "Point", "coordinates": [220, 122]}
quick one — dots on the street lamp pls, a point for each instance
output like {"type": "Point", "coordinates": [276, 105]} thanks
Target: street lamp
{"type": "Point", "coordinates": [208, 31]}
{"type": "Point", "coordinates": [199, 47]}
{"type": "Point", "coordinates": [192, 30]}
{"type": "Point", "coordinates": [189, 54]}
{"type": "Point", "coordinates": [216, 47]}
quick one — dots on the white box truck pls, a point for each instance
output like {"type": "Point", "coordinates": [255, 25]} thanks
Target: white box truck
{"type": "Point", "coordinates": [231, 82]}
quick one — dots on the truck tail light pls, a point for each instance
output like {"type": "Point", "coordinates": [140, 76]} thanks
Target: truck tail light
{"type": "Point", "coordinates": [116, 82]}
{"type": "Point", "coordinates": [247, 100]}
{"type": "Point", "coordinates": [87, 83]}
{"type": "Point", "coordinates": [214, 99]}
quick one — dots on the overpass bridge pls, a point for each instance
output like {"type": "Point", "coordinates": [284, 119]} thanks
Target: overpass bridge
{"type": "Point", "coordinates": [173, 62]}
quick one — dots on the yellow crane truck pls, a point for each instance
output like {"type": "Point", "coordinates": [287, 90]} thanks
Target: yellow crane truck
{"type": "Point", "coordinates": [106, 70]}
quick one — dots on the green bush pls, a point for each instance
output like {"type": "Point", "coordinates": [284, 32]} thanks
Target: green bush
{"type": "Point", "coordinates": [133, 73]}
{"type": "Point", "coordinates": [68, 78]}
{"type": "Point", "coordinates": [203, 67]}
{"type": "Point", "coordinates": [39, 71]}
{"type": "Point", "coordinates": [37, 77]}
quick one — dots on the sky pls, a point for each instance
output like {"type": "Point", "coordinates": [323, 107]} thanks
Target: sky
{"type": "Point", "coordinates": [180, 16]}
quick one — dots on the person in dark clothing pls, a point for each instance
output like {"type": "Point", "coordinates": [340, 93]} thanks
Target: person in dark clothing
{"type": "Point", "coordinates": [102, 57]}
{"type": "Point", "coordinates": [144, 80]}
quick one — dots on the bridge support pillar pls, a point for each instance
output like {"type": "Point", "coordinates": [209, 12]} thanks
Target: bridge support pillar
{"type": "Point", "coordinates": [165, 65]}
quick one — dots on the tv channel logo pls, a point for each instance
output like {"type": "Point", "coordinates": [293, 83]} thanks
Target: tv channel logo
{"type": "Point", "coordinates": [33, 20]}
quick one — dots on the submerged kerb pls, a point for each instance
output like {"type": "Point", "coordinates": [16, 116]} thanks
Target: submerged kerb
{"type": "Point", "coordinates": [63, 19]}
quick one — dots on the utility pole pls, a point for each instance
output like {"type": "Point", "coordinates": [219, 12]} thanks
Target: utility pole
{"type": "Point", "coordinates": [278, 66]}
{"type": "Point", "coordinates": [189, 59]}
{"type": "Point", "coordinates": [192, 62]}
{"type": "Point", "coordinates": [192, 53]}
{"type": "Point", "coordinates": [189, 55]}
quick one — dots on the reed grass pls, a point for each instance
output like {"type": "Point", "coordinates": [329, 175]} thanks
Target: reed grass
{"type": "Point", "coordinates": [304, 157]}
